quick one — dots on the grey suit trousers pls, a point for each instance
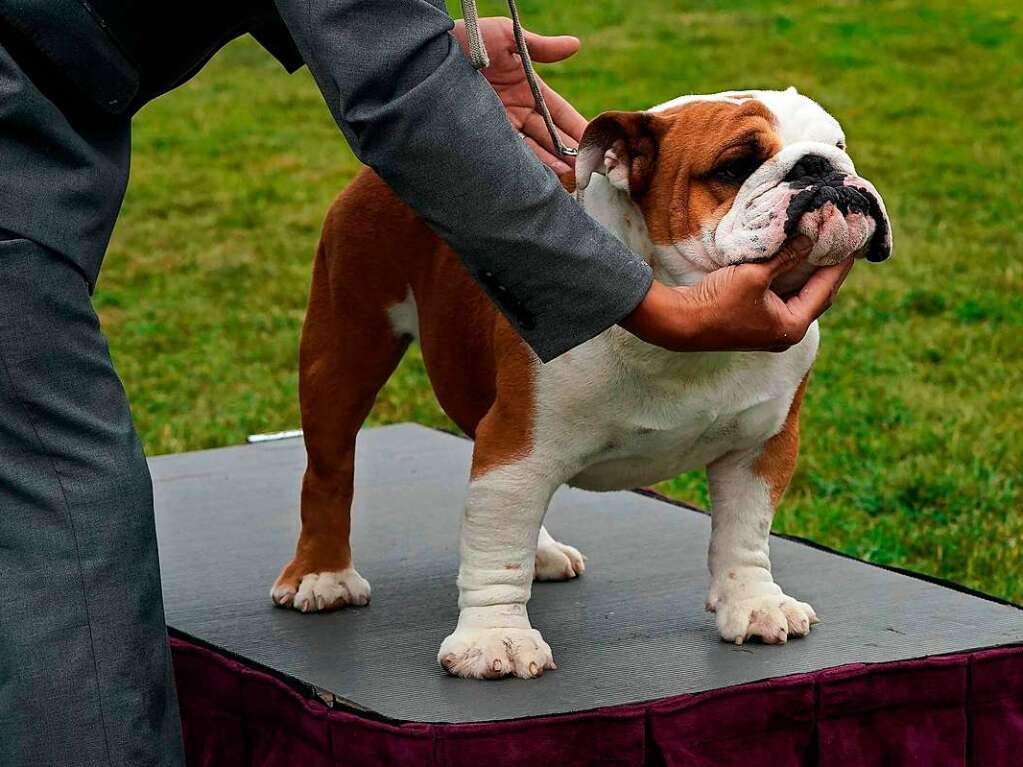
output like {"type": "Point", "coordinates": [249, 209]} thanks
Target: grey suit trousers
{"type": "Point", "coordinates": [85, 673]}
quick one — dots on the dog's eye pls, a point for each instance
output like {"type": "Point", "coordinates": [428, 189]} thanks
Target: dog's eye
{"type": "Point", "coordinates": [737, 170]}
{"type": "Point", "coordinates": [841, 144]}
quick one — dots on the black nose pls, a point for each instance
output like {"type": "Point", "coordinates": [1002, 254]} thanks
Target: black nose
{"type": "Point", "coordinates": [810, 167]}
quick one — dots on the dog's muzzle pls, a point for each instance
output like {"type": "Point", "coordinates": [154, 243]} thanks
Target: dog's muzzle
{"type": "Point", "coordinates": [808, 188]}
{"type": "Point", "coordinates": [819, 184]}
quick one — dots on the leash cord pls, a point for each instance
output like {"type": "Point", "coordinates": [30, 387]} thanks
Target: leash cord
{"type": "Point", "coordinates": [480, 60]}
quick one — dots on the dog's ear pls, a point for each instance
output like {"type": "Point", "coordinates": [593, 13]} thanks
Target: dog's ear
{"type": "Point", "coordinates": [621, 146]}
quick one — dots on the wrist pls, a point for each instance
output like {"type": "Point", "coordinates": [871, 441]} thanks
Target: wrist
{"type": "Point", "coordinates": [666, 317]}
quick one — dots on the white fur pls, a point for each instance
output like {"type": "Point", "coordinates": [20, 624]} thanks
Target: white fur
{"type": "Point", "coordinates": [556, 561]}
{"type": "Point", "coordinates": [326, 590]}
{"type": "Point", "coordinates": [503, 514]}
{"type": "Point", "coordinates": [799, 118]}
{"type": "Point", "coordinates": [404, 316]}
{"type": "Point", "coordinates": [617, 413]}
{"type": "Point", "coordinates": [743, 594]}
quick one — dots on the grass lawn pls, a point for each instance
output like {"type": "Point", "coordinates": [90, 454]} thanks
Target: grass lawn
{"type": "Point", "coordinates": [913, 448]}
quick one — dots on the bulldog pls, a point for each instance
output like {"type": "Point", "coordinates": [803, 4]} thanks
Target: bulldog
{"type": "Point", "coordinates": [691, 186]}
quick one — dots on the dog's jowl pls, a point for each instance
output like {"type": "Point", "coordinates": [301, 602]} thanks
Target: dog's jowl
{"type": "Point", "coordinates": [691, 186]}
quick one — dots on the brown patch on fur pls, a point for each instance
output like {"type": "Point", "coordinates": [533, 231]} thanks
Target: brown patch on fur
{"type": "Point", "coordinates": [777, 461]}
{"type": "Point", "coordinates": [505, 433]}
{"type": "Point", "coordinates": [683, 197]}
{"type": "Point", "coordinates": [671, 156]}
{"type": "Point", "coordinates": [372, 251]}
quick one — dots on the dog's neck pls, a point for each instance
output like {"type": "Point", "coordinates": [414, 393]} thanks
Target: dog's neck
{"type": "Point", "coordinates": [619, 214]}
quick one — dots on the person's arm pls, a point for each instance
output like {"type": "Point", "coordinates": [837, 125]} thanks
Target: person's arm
{"type": "Point", "coordinates": [413, 109]}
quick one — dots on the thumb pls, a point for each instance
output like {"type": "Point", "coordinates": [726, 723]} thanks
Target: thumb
{"type": "Point", "coordinates": [550, 49]}
{"type": "Point", "coordinates": [791, 253]}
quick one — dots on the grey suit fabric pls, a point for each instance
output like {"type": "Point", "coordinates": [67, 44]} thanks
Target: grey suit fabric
{"type": "Point", "coordinates": [62, 172]}
{"type": "Point", "coordinates": [85, 673]}
{"type": "Point", "coordinates": [411, 107]}
{"type": "Point", "coordinates": [85, 677]}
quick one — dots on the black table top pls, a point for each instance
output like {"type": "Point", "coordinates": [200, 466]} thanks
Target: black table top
{"type": "Point", "coordinates": [631, 629]}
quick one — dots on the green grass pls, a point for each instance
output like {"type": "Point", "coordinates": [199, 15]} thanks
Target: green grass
{"type": "Point", "coordinates": [912, 451]}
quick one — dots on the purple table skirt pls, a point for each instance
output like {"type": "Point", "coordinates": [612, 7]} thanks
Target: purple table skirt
{"type": "Point", "coordinates": [946, 711]}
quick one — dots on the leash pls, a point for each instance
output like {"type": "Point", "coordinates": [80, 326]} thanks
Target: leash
{"type": "Point", "coordinates": [480, 60]}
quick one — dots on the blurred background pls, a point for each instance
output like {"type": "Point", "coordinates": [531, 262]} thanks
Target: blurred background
{"type": "Point", "coordinates": [912, 449]}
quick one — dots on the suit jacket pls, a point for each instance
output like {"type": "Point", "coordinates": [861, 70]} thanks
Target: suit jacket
{"type": "Point", "coordinates": [410, 106]}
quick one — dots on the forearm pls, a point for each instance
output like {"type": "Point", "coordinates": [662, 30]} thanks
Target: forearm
{"type": "Point", "coordinates": [413, 109]}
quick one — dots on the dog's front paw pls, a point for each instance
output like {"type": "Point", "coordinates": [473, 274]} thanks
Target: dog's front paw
{"type": "Point", "coordinates": [557, 561]}
{"type": "Point", "coordinates": [320, 591]}
{"type": "Point", "coordinates": [773, 618]}
{"type": "Point", "coordinates": [492, 653]}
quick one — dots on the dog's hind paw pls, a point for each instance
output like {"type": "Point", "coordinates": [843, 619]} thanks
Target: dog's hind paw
{"type": "Point", "coordinates": [557, 561]}
{"type": "Point", "coordinates": [320, 592]}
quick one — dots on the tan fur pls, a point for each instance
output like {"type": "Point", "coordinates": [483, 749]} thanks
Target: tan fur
{"type": "Point", "coordinates": [777, 460]}
{"type": "Point", "coordinates": [671, 153]}
{"type": "Point", "coordinates": [349, 349]}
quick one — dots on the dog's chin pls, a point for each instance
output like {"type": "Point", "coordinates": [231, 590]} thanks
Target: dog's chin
{"type": "Point", "coordinates": [836, 238]}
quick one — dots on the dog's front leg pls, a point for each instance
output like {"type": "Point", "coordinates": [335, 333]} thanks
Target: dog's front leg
{"type": "Point", "coordinates": [503, 513]}
{"type": "Point", "coordinates": [743, 594]}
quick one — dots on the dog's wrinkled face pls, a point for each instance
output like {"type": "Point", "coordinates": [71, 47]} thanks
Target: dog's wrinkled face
{"type": "Point", "coordinates": [730, 178]}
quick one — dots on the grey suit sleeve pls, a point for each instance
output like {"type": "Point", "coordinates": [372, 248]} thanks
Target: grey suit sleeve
{"type": "Point", "coordinates": [413, 109]}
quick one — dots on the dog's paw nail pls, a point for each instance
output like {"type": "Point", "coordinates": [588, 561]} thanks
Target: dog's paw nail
{"type": "Point", "coordinates": [491, 653]}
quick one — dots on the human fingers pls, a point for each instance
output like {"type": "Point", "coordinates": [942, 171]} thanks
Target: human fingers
{"type": "Point", "coordinates": [790, 254]}
{"type": "Point", "coordinates": [566, 116]}
{"type": "Point", "coordinates": [817, 295]}
{"type": "Point", "coordinates": [546, 157]}
{"type": "Point", "coordinates": [535, 128]}
{"type": "Point", "coordinates": [548, 50]}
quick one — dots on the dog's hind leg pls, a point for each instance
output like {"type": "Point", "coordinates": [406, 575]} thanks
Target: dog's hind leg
{"type": "Point", "coordinates": [350, 346]}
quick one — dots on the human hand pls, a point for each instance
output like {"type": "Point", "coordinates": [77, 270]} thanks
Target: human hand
{"type": "Point", "coordinates": [509, 81]}
{"type": "Point", "coordinates": [734, 308]}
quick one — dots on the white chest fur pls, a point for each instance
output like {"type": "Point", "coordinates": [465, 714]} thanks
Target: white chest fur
{"type": "Point", "coordinates": [616, 414]}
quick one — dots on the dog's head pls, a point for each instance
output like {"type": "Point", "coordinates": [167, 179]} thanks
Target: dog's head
{"type": "Point", "coordinates": [729, 178]}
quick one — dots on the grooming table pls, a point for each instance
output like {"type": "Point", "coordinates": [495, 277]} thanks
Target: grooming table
{"type": "Point", "coordinates": [902, 670]}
